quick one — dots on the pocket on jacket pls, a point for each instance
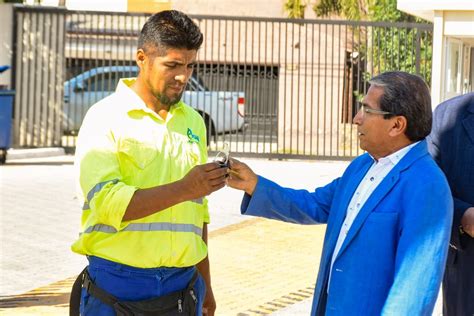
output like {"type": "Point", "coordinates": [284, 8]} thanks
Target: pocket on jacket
{"type": "Point", "coordinates": [141, 154]}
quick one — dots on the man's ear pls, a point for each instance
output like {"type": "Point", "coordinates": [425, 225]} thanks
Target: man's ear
{"type": "Point", "coordinates": [140, 58]}
{"type": "Point", "coordinates": [399, 125]}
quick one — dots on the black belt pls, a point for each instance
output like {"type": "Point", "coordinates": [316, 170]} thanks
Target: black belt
{"type": "Point", "coordinates": [181, 303]}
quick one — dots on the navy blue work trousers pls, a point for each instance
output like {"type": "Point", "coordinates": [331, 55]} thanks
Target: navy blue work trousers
{"type": "Point", "coordinates": [135, 284]}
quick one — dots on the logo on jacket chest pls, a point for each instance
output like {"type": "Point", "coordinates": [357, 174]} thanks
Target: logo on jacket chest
{"type": "Point", "coordinates": [192, 138]}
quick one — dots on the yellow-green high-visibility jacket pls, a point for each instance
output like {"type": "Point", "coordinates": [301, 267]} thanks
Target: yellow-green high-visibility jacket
{"type": "Point", "coordinates": [124, 146]}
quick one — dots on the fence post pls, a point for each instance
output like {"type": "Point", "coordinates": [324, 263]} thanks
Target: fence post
{"type": "Point", "coordinates": [418, 57]}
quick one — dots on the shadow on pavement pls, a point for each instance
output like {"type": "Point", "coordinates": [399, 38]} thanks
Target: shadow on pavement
{"type": "Point", "coordinates": [56, 294]}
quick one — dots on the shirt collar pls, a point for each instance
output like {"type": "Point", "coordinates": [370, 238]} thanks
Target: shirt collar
{"type": "Point", "coordinates": [132, 102]}
{"type": "Point", "coordinates": [395, 157]}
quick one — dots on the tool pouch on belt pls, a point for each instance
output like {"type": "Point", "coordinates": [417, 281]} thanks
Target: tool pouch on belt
{"type": "Point", "coordinates": [179, 303]}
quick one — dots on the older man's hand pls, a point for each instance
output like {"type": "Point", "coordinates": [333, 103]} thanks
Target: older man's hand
{"type": "Point", "coordinates": [241, 177]}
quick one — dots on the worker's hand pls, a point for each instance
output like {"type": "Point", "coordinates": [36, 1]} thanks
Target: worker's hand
{"type": "Point", "coordinates": [209, 306]}
{"type": "Point", "coordinates": [467, 221]}
{"type": "Point", "coordinates": [204, 179]}
{"type": "Point", "coordinates": [241, 177]}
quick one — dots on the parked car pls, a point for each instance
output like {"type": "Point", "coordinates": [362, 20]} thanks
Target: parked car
{"type": "Point", "coordinates": [223, 111]}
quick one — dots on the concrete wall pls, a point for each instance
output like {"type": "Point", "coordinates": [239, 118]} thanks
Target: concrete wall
{"type": "Point", "coordinates": [459, 23]}
{"type": "Point", "coordinates": [438, 63]}
{"type": "Point", "coordinates": [425, 8]}
{"type": "Point", "coordinates": [150, 6]}
{"type": "Point", "coordinates": [262, 8]}
{"type": "Point", "coordinates": [451, 18]}
{"type": "Point", "coordinates": [448, 24]}
{"type": "Point", "coordinates": [311, 60]}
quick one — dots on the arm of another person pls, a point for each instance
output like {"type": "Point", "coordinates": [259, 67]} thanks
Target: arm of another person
{"type": "Point", "coordinates": [422, 248]}
{"type": "Point", "coordinates": [463, 211]}
{"type": "Point", "coordinates": [209, 306]}
{"type": "Point", "coordinates": [267, 199]}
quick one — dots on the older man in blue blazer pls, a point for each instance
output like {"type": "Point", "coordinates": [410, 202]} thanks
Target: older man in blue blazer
{"type": "Point", "coordinates": [451, 143]}
{"type": "Point", "coordinates": [388, 216]}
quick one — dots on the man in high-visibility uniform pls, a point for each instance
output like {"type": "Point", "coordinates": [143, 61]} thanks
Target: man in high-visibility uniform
{"type": "Point", "coordinates": [141, 157]}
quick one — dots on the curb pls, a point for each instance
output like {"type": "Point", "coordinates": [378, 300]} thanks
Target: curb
{"type": "Point", "coordinates": [13, 154]}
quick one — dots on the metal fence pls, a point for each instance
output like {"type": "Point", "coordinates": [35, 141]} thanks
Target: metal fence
{"type": "Point", "coordinates": [301, 78]}
{"type": "Point", "coordinates": [38, 77]}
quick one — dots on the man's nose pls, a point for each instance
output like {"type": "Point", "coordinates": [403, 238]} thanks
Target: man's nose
{"type": "Point", "coordinates": [180, 78]}
{"type": "Point", "coordinates": [357, 118]}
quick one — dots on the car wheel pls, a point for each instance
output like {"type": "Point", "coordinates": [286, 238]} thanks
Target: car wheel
{"type": "Point", "coordinates": [3, 156]}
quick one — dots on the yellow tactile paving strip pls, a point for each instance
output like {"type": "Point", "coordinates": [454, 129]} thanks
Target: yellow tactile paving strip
{"type": "Point", "coordinates": [51, 300]}
{"type": "Point", "coordinates": [258, 267]}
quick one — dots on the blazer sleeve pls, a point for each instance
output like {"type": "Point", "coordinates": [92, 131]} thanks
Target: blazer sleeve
{"type": "Point", "coordinates": [422, 249]}
{"type": "Point", "coordinates": [272, 201]}
{"type": "Point", "coordinates": [441, 154]}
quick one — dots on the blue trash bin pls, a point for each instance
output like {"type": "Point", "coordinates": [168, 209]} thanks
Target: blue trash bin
{"type": "Point", "coordinates": [6, 109]}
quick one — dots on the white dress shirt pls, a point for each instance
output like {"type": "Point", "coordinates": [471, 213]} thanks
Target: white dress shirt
{"type": "Point", "coordinates": [369, 183]}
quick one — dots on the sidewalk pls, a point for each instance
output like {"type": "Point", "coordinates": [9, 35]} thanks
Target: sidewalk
{"type": "Point", "coordinates": [259, 267]}
{"type": "Point", "coordinates": [41, 216]}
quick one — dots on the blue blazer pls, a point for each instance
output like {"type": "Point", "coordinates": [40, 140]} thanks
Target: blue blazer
{"type": "Point", "coordinates": [392, 260]}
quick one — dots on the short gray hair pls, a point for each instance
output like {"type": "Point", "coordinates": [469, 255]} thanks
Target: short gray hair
{"type": "Point", "coordinates": [409, 96]}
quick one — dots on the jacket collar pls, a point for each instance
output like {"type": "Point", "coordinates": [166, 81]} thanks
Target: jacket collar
{"type": "Point", "coordinates": [418, 151]}
{"type": "Point", "coordinates": [132, 102]}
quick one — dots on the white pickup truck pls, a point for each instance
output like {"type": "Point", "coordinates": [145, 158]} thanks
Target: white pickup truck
{"type": "Point", "coordinates": [223, 111]}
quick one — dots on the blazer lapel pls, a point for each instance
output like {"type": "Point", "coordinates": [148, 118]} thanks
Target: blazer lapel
{"type": "Point", "coordinates": [379, 193]}
{"type": "Point", "coordinates": [382, 190]}
{"type": "Point", "coordinates": [349, 190]}
{"type": "Point", "coordinates": [468, 124]}
{"type": "Point", "coordinates": [333, 228]}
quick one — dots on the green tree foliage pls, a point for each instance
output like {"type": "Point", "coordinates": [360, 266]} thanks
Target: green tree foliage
{"type": "Point", "coordinates": [383, 48]}
{"type": "Point", "coordinates": [386, 10]}
{"type": "Point", "coordinates": [295, 8]}
{"type": "Point", "coordinates": [326, 7]}
{"type": "Point", "coordinates": [407, 49]}
{"type": "Point", "coordinates": [350, 9]}
{"type": "Point", "coordinates": [375, 48]}
{"type": "Point", "coordinates": [363, 10]}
